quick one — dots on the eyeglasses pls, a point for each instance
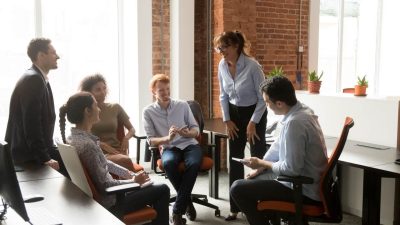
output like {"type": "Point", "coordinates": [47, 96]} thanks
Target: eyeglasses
{"type": "Point", "coordinates": [221, 48]}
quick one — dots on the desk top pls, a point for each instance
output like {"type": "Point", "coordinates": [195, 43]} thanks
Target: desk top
{"type": "Point", "coordinates": [33, 172]}
{"type": "Point", "coordinates": [365, 157]}
{"type": "Point", "coordinates": [215, 125]}
{"type": "Point", "coordinates": [66, 202]}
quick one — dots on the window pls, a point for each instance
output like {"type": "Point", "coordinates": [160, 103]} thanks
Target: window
{"type": "Point", "coordinates": [88, 36]}
{"type": "Point", "coordinates": [357, 38]}
{"type": "Point", "coordinates": [17, 29]}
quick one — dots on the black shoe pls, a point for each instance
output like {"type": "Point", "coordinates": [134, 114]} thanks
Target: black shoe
{"type": "Point", "coordinates": [177, 219]}
{"type": "Point", "coordinates": [231, 217]}
{"type": "Point", "coordinates": [191, 211]}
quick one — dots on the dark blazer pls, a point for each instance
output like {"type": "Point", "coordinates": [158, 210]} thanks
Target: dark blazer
{"type": "Point", "coordinates": [31, 120]}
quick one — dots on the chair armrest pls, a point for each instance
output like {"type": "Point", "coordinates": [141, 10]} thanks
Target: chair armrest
{"type": "Point", "coordinates": [123, 188]}
{"type": "Point", "coordinates": [140, 137]}
{"type": "Point", "coordinates": [296, 179]}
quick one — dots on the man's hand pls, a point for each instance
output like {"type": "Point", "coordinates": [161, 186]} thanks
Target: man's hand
{"type": "Point", "coordinates": [232, 129]}
{"type": "Point", "coordinates": [253, 173]}
{"type": "Point", "coordinates": [251, 133]}
{"type": "Point", "coordinates": [53, 164]}
{"type": "Point", "coordinates": [172, 132]}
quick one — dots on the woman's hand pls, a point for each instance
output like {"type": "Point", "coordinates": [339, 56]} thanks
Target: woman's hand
{"type": "Point", "coordinates": [251, 133]}
{"type": "Point", "coordinates": [110, 150]}
{"type": "Point", "coordinates": [141, 177]}
{"type": "Point", "coordinates": [125, 145]}
{"type": "Point", "coordinates": [232, 129]}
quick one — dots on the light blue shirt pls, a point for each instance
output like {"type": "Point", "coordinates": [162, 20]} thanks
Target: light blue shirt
{"type": "Point", "coordinates": [244, 89]}
{"type": "Point", "coordinates": [300, 149]}
{"type": "Point", "coordinates": [157, 122]}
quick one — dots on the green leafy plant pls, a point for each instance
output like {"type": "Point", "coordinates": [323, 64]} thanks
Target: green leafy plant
{"type": "Point", "coordinates": [276, 72]}
{"type": "Point", "coordinates": [313, 76]}
{"type": "Point", "coordinates": [362, 81]}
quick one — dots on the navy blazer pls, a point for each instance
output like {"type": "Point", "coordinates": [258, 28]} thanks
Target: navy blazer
{"type": "Point", "coordinates": [31, 120]}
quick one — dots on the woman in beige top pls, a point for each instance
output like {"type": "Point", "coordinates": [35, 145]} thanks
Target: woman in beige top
{"type": "Point", "coordinates": [111, 115]}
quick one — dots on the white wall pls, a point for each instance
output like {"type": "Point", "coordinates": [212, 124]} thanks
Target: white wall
{"type": "Point", "coordinates": [375, 121]}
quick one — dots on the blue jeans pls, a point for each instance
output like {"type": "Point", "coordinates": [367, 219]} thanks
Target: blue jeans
{"type": "Point", "coordinates": [183, 182]}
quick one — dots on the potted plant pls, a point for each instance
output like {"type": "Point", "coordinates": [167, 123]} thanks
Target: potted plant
{"type": "Point", "coordinates": [361, 88]}
{"type": "Point", "coordinates": [276, 72]}
{"type": "Point", "coordinates": [314, 82]}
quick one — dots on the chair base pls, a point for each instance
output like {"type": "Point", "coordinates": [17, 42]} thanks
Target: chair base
{"type": "Point", "coordinates": [201, 200]}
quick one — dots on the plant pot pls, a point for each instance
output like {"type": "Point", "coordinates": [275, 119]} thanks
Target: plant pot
{"type": "Point", "coordinates": [360, 90]}
{"type": "Point", "coordinates": [314, 86]}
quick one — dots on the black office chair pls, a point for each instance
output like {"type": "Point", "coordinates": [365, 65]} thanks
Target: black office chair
{"type": "Point", "coordinates": [207, 162]}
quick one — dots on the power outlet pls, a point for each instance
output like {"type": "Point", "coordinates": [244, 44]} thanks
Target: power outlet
{"type": "Point", "coordinates": [301, 48]}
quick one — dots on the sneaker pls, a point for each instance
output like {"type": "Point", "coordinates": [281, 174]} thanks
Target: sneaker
{"type": "Point", "coordinates": [177, 219]}
{"type": "Point", "coordinates": [191, 211]}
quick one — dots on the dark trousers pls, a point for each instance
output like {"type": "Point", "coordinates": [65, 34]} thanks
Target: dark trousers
{"type": "Point", "coordinates": [183, 182]}
{"type": "Point", "coordinates": [241, 117]}
{"type": "Point", "coordinates": [156, 195]}
{"type": "Point", "coordinates": [247, 192]}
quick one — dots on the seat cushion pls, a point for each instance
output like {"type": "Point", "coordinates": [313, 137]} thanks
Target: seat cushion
{"type": "Point", "coordinates": [206, 164]}
{"type": "Point", "coordinates": [141, 215]}
{"type": "Point", "coordinates": [308, 210]}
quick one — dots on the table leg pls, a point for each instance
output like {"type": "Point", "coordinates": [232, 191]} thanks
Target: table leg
{"type": "Point", "coordinates": [371, 198]}
{"type": "Point", "coordinates": [138, 150]}
{"type": "Point", "coordinates": [214, 173]}
{"type": "Point", "coordinates": [396, 216]}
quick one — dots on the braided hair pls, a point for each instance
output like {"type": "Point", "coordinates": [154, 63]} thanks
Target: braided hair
{"type": "Point", "coordinates": [74, 110]}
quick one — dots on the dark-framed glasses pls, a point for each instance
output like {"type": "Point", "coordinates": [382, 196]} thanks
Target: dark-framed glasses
{"type": "Point", "coordinates": [221, 48]}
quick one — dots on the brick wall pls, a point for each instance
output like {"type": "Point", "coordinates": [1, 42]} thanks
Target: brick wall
{"type": "Point", "coordinates": [201, 80]}
{"type": "Point", "coordinates": [278, 35]}
{"type": "Point", "coordinates": [272, 27]}
{"type": "Point", "coordinates": [161, 37]}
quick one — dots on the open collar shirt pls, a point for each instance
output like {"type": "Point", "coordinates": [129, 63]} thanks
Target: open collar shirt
{"type": "Point", "coordinates": [158, 120]}
{"type": "Point", "coordinates": [243, 90]}
{"type": "Point", "coordinates": [300, 149]}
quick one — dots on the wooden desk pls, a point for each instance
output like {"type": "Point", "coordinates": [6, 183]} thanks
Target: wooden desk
{"type": "Point", "coordinates": [217, 131]}
{"type": "Point", "coordinates": [62, 198]}
{"type": "Point", "coordinates": [376, 164]}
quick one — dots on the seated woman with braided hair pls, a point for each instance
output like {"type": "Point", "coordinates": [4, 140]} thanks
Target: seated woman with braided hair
{"type": "Point", "coordinates": [82, 110]}
{"type": "Point", "coordinates": [111, 115]}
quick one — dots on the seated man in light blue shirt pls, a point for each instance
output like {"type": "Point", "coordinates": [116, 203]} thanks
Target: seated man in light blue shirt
{"type": "Point", "coordinates": [170, 123]}
{"type": "Point", "coordinates": [298, 151]}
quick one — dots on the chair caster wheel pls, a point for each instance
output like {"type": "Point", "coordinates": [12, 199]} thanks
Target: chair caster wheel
{"type": "Point", "coordinates": [217, 213]}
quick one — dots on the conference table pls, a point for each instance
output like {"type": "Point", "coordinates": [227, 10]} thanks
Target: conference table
{"type": "Point", "coordinates": [62, 199]}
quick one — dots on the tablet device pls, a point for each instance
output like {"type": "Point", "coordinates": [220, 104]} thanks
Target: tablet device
{"type": "Point", "coordinates": [240, 160]}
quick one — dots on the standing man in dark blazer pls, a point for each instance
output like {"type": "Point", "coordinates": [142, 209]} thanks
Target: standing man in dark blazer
{"type": "Point", "coordinates": [32, 116]}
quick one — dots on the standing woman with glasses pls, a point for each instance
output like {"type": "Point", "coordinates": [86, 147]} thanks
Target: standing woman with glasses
{"type": "Point", "coordinates": [243, 108]}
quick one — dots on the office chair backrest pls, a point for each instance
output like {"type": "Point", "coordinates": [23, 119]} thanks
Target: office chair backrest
{"type": "Point", "coordinates": [74, 167]}
{"type": "Point", "coordinates": [329, 185]}
{"type": "Point", "coordinates": [197, 113]}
